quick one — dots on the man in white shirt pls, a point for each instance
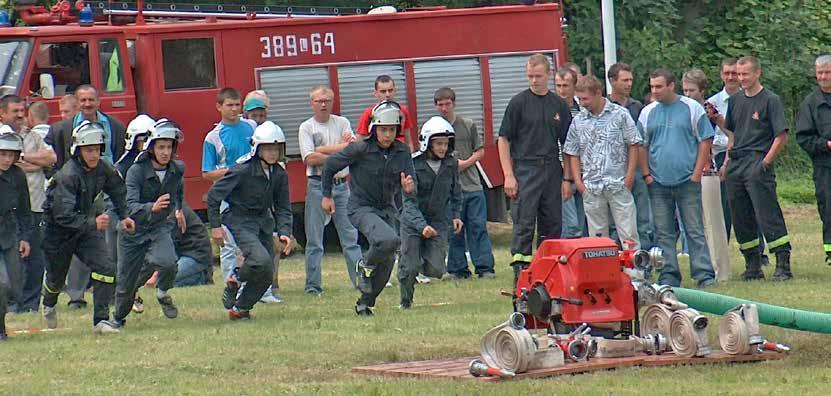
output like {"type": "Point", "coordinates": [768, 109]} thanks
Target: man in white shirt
{"type": "Point", "coordinates": [319, 137]}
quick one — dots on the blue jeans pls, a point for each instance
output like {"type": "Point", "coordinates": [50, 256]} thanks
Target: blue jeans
{"type": "Point", "coordinates": [474, 237]}
{"type": "Point", "coordinates": [314, 222]}
{"type": "Point", "coordinates": [687, 197]}
{"type": "Point", "coordinates": [574, 217]}
{"type": "Point", "coordinates": [191, 272]}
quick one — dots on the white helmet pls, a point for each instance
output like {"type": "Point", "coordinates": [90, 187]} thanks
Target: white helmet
{"type": "Point", "coordinates": [266, 133]}
{"type": "Point", "coordinates": [88, 133]}
{"type": "Point", "coordinates": [435, 127]}
{"type": "Point", "coordinates": [10, 140]}
{"type": "Point", "coordinates": [164, 129]}
{"type": "Point", "coordinates": [138, 127]}
{"type": "Point", "coordinates": [387, 112]}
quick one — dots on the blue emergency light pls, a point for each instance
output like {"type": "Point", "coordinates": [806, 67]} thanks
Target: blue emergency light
{"type": "Point", "coordinates": [85, 17]}
{"type": "Point", "coordinates": [4, 19]}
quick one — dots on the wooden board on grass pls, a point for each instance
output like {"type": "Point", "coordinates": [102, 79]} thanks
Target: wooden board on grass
{"type": "Point", "coordinates": [458, 368]}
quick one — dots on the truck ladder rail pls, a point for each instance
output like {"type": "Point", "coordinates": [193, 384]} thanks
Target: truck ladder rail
{"type": "Point", "coordinates": [240, 11]}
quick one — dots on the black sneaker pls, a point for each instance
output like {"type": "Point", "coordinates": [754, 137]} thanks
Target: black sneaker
{"type": "Point", "coordinates": [363, 310]}
{"type": "Point", "coordinates": [77, 304]}
{"type": "Point", "coordinates": [168, 308]}
{"type": "Point", "coordinates": [405, 305]}
{"type": "Point", "coordinates": [229, 295]}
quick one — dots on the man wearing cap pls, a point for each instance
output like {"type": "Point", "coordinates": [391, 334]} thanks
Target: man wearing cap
{"type": "Point", "coordinates": [36, 156]}
{"type": "Point", "coordinates": [321, 136]}
{"type": "Point", "coordinates": [255, 108]}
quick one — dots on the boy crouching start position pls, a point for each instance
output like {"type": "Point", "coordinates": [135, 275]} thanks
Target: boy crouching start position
{"type": "Point", "coordinates": [380, 168]}
{"type": "Point", "coordinates": [72, 227]}
{"type": "Point", "coordinates": [257, 192]}
{"type": "Point", "coordinates": [424, 220]}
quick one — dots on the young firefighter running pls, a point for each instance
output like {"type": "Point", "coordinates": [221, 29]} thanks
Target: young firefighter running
{"type": "Point", "coordinates": [424, 220]}
{"type": "Point", "coordinates": [15, 217]}
{"type": "Point", "coordinates": [155, 190]}
{"type": "Point", "coordinates": [257, 192]}
{"type": "Point", "coordinates": [380, 168]}
{"type": "Point", "coordinates": [72, 228]}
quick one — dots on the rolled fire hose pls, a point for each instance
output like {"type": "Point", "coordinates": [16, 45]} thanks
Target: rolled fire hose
{"type": "Point", "coordinates": [739, 330]}
{"type": "Point", "coordinates": [508, 348]}
{"type": "Point", "coordinates": [774, 315]}
{"type": "Point", "coordinates": [656, 320]}
{"type": "Point", "coordinates": [688, 333]}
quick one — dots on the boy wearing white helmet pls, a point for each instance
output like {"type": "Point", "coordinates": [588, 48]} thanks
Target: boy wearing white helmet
{"type": "Point", "coordinates": [380, 168]}
{"type": "Point", "coordinates": [73, 228]}
{"type": "Point", "coordinates": [137, 131]}
{"type": "Point", "coordinates": [424, 221]}
{"type": "Point", "coordinates": [155, 195]}
{"type": "Point", "coordinates": [257, 192]}
{"type": "Point", "coordinates": [15, 217]}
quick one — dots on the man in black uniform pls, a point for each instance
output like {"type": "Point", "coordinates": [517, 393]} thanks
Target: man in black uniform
{"type": "Point", "coordinates": [257, 192]}
{"type": "Point", "coordinates": [535, 120]}
{"type": "Point", "coordinates": [757, 119]}
{"type": "Point", "coordinates": [813, 133]}
{"type": "Point", "coordinates": [155, 191]}
{"type": "Point", "coordinates": [380, 168]}
{"type": "Point", "coordinates": [15, 218]}
{"type": "Point", "coordinates": [73, 228]}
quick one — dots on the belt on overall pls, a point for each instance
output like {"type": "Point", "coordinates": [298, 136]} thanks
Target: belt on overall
{"type": "Point", "coordinates": [335, 180]}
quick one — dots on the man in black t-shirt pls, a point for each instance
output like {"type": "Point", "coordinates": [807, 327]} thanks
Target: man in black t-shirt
{"type": "Point", "coordinates": [757, 119]}
{"type": "Point", "coordinates": [535, 121]}
{"type": "Point", "coordinates": [813, 133]}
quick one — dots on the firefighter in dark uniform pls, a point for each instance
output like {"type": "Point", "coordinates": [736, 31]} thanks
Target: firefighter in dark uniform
{"type": "Point", "coordinates": [535, 121]}
{"type": "Point", "coordinates": [424, 222]}
{"type": "Point", "coordinates": [380, 168]}
{"type": "Point", "coordinates": [257, 192]}
{"type": "Point", "coordinates": [757, 119]}
{"type": "Point", "coordinates": [72, 227]}
{"type": "Point", "coordinates": [813, 133]}
{"type": "Point", "coordinates": [155, 192]}
{"type": "Point", "coordinates": [15, 218]}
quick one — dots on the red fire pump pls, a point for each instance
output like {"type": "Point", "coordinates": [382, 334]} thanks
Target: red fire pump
{"type": "Point", "coordinates": [585, 280]}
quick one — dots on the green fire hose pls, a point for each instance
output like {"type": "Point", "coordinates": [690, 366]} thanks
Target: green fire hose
{"type": "Point", "coordinates": [774, 315]}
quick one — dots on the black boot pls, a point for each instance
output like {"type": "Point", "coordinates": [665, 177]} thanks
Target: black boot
{"type": "Point", "coordinates": [828, 258]}
{"type": "Point", "coordinates": [753, 265]}
{"type": "Point", "coordinates": [783, 267]}
{"type": "Point", "coordinates": [3, 335]}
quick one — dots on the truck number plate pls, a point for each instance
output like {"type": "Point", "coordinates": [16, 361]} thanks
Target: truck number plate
{"type": "Point", "coordinates": [293, 45]}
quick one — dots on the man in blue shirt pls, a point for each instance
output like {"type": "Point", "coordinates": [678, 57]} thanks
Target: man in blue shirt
{"type": "Point", "coordinates": [677, 137]}
{"type": "Point", "coordinates": [224, 144]}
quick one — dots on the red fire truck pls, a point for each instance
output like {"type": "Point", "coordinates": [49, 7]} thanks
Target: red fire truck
{"type": "Point", "coordinates": [174, 68]}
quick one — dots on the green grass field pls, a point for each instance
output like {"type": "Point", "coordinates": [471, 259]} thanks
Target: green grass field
{"type": "Point", "coordinates": [308, 345]}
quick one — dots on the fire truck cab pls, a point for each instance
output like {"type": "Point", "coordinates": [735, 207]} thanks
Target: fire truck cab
{"type": "Point", "coordinates": [174, 69]}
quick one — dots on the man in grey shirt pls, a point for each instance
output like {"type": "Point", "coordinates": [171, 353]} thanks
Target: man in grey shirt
{"type": "Point", "coordinates": [474, 237]}
{"type": "Point", "coordinates": [321, 136]}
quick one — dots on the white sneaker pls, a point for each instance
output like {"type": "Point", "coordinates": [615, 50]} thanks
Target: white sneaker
{"type": "Point", "coordinates": [51, 316]}
{"type": "Point", "coordinates": [423, 279]}
{"type": "Point", "coordinates": [105, 327]}
{"type": "Point", "coordinates": [270, 300]}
